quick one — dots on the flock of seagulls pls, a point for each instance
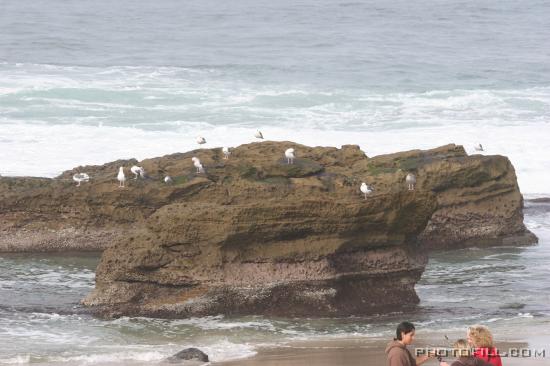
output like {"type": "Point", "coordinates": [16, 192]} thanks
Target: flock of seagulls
{"type": "Point", "coordinates": [81, 177]}
{"type": "Point", "coordinates": [365, 189]}
{"type": "Point", "coordinates": [201, 140]}
{"type": "Point", "coordinates": [121, 177]}
{"type": "Point", "coordinates": [226, 152]}
{"type": "Point", "coordinates": [410, 179]}
{"type": "Point", "coordinates": [289, 154]}
{"type": "Point", "coordinates": [138, 171]}
{"type": "Point", "coordinates": [197, 164]}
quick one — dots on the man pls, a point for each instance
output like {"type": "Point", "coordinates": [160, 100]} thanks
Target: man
{"type": "Point", "coordinates": [397, 352]}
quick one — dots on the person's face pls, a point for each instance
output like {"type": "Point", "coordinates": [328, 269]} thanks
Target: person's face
{"type": "Point", "coordinates": [470, 339]}
{"type": "Point", "coordinates": [407, 338]}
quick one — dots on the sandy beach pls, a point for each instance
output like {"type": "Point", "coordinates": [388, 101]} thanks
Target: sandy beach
{"type": "Point", "coordinates": [350, 352]}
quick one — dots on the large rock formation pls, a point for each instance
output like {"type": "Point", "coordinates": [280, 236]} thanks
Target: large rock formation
{"type": "Point", "coordinates": [478, 199]}
{"type": "Point", "coordinates": [254, 235]}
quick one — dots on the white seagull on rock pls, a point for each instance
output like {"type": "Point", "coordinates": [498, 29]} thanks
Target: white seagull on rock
{"type": "Point", "coordinates": [258, 134]}
{"type": "Point", "coordinates": [226, 152]}
{"type": "Point", "coordinates": [121, 177]}
{"type": "Point", "coordinates": [201, 140]}
{"type": "Point", "coordinates": [168, 180]}
{"type": "Point", "coordinates": [197, 164]}
{"type": "Point", "coordinates": [365, 189]}
{"type": "Point", "coordinates": [478, 147]}
{"type": "Point", "coordinates": [289, 154]}
{"type": "Point", "coordinates": [411, 181]}
{"type": "Point", "coordinates": [138, 171]}
{"type": "Point", "coordinates": [81, 177]}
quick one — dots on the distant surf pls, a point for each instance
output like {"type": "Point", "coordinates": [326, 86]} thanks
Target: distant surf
{"type": "Point", "coordinates": [53, 118]}
{"type": "Point", "coordinates": [92, 82]}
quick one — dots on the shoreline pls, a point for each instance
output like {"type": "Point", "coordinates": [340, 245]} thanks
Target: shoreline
{"type": "Point", "coordinates": [360, 351]}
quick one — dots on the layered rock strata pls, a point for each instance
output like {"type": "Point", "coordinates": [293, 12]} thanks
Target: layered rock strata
{"type": "Point", "coordinates": [254, 235]}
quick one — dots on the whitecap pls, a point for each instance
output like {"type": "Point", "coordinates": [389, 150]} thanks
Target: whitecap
{"type": "Point", "coordinates": [19, 359]}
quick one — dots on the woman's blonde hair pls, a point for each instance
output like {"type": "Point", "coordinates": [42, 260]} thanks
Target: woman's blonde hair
{"type": "Point", "coordinates": [461, 348]}
{"type": "Point", "coordinates": [481, 336]}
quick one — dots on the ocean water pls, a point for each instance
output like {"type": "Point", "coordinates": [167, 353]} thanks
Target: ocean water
{"type": "Point", "coordinates": [87, 82]}
{"type": "Point", "coordinates": [42, 323]}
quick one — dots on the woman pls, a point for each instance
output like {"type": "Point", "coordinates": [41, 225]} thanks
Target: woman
{"type": "Point", "coordinates": [397, 352]}
{"type": "Point", "coordinates": [481, 339]}
{"type": "Point", "coordinates": [464, 357]}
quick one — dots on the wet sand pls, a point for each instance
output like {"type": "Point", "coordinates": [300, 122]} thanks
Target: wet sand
{"type": "Point", "coordinates": [352, 352]}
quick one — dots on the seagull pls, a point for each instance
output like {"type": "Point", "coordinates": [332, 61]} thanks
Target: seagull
{"type": "Point", "coordinates": [81, 177]}
{"type": "Point", "coordinates": [201, 140]}
{"type": "Point", "coordinates": [411, 181]}
{"type": "Point", "coordinates": [258, 135]}
{"type": "Point", "coordinates": [226, 152]}
{"type": "Point", "coordinates": [365, 189]}
{"type": "Point", "coordinates": [138, 171]}
{"type": "Point", "coordinates": [478, 147]}
{"type": "Point", "coordinates": [197, 164]}
{"type": "Point", "coordinates": [121, 177]}
{"type": "Point", "coordinates": [168, 180]}
{"type": "Point", "coordinates": [289, 154]}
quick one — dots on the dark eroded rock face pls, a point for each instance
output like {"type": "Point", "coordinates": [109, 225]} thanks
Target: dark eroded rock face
{"type": "Point", "coordinates": [478, 199]}
{"type": "Point", "coordinates": [254, 235]}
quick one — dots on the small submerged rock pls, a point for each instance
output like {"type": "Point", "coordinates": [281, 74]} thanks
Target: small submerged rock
{"type": "Point", "coordinates": [189, 354]}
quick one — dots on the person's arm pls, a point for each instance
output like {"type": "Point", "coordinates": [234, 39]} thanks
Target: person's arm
{"type": "Point", "coordinates": [421, 359]}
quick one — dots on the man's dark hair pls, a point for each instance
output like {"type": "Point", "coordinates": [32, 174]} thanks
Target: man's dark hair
{"type": "Point", "coordinates": [403, 327]}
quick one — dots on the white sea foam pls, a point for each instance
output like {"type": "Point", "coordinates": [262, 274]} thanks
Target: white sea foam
{"type": "Point", "coordinates": [114, 357]}
{"type": "Point", "coordinates": [77, 115]}
{"type": "Point", "coordinates": [219, 322]}
{"type": "Point", "coordinates": [19, 359]}
{"type": "Point", "coordinates": [60, 147]}
{"type": "Point", "coordinates": [226, 350]}
{"type": "Point", "coordinates": [222, 350]}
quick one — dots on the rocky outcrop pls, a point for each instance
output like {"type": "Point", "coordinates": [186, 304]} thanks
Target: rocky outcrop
{"type": "Point", "coordinates": [478, 198]}
{"type": "Point", "coordinates": [189, 354]}
{"type": "Point", "coordinates": [254, 235]}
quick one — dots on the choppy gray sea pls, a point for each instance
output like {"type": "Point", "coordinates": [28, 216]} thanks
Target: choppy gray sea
{"type": "Point", "coordinates": [86, 82]}
{"type": "Point", "coordinates": [41, 321]}
{"type": "Point", "coordinates": [93, 81]}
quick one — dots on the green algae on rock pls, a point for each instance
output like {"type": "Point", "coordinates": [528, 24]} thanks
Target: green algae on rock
{"type": "Point", "coordinates": [254, 235]}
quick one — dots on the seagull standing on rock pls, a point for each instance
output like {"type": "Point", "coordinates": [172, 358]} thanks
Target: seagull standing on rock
{"type": "Point", "coordinates": [365, 189]}
{"type": "Point", "coordinates": [197, 164]}
{"type": "Point", "coordinates": [411, 181]}
{"type": "Point", "coordinates": [121, 177]}
{"type": "Point", "coordinates": [478, 147]}
{"type": "Point", "coordinates": [138, 171]}
{"type": "Point", "coordinates": [168, 180]}
{"type": "Point", "coordinates": [201, 140]}
{"type": "Point", "coordinates": [259, 135]}
{"type": "Point", "coordinates": [289, 154]}
{"type": "Point", "coordinates": [226, 152]}
{"type": "Point", "coordinates": [81, 177]}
